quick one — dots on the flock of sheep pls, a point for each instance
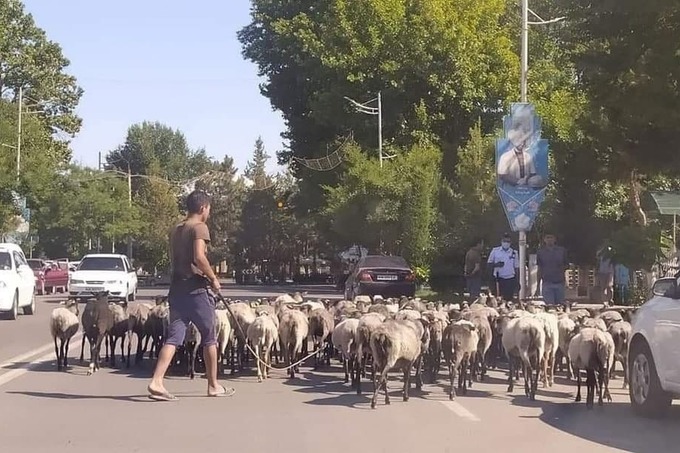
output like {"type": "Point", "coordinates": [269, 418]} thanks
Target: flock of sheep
{"type": "Point", "coordinates": [371, 333]}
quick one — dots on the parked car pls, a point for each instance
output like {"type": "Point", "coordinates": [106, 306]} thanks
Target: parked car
{"type": "Point", "coordinates": [653, 353]}
{"type": "Point", "coordinates": [104, 272]}
{"type": "Point", "coordinates": [388, 276]}
{"type": "Point", "coordinates": [17, 282]}
{"type": "Point", "coordinates": [50, 276]}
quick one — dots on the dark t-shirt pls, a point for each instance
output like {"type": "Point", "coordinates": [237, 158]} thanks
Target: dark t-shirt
{"type": "Point", "coordinates": [552, 262]}
{"type": "Point", "coordinates": [473, 258]}
{"type": "Point", "coordinates": [182, 239]}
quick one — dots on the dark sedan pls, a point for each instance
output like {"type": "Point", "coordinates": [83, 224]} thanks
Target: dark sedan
{"type": "Point", "coordinates": [388, 276]}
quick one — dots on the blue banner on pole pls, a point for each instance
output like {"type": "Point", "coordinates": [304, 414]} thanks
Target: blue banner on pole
{"type": "Point", "coordinates": [522, 166]}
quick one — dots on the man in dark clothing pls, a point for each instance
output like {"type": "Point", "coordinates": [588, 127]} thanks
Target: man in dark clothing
{"type": "Point", "coordinates": [552, 263]}
{"type": "Point", "coordinates": [473, 268]}
{"type": "Point", "coordinates": [188, 297]}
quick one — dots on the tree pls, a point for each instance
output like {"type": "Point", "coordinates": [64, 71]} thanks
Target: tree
{"type": "Point", "coordinates": [38, 165]}
{"type": "Point", "coordinates": [85, 207]}
{"type": "Point", "coordinates": [440, 66]}
{"type": "Point", "coordinates": [256, 169]}
{"type": "Point", "coordinates": [625, 57]}
{"type": "Point", "coordinates": [158, 201]}
{"type": "Point", "coordinates": [390, 209]}
{"type": "Point", "coordinates": [158, 150]}
{"type": "Point", "coordinates": [228, 193]}
{"type": "Point", "coordinates": [30, 61]}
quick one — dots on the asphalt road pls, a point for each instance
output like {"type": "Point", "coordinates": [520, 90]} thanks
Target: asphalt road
{"type": "Point", "coordinates": [43, 410]}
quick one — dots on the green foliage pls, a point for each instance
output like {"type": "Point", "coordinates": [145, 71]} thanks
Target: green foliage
{"type": "Point", "coordinates": [84, 206]}
{"type": "Point", "coordinates": [28, 59]}
{"type": "Point", "coordinates": [390, 209]}
{"type": "Point", "coordinates": [636, 247]}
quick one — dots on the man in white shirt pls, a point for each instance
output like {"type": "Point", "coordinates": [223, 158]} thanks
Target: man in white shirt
{"type": "Point", "coordinates": [504, 264]}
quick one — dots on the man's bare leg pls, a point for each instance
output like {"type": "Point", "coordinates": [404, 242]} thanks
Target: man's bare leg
{"type": "Point", "coordinates": [210, 357]}
{"type": "Point", "coordinates": [164, 358]}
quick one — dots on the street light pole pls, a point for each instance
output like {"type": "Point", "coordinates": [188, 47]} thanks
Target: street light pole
{"type": "Point", "coordinates": [21, 100]}
{"type": "Point", "coordinates": [380, 153]}
{"type": "Point", "coordinates": [524, 71]}
{"type": "Point", "coordinates": [129, 182]}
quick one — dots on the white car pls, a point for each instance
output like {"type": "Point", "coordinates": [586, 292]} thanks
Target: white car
{"type": "Point", "coordinates": [104, 272]}
{"type": "Point", "coordinates": [654, 352]}
{"type": "Point", "coordinates": [17, 282]}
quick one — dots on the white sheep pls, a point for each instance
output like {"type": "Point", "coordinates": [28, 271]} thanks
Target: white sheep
{"type": "Point", "coordinates": [321, 324]}
{"type": "Point", "coordinates": [550, 323]}
{"type": "Point", "coordinates": [344, 340]}
{"type": "Point", "coordinates": [241, 315]}
{"type": "Point", "coordinates": [293, 331]}
{"type": "Point", "coordinates": [367, 324]}
{"type": "Point", "coordinates": [223, 332]}
{"type": "Point", "coordinates": [138, 320]}
{"type": "Point", "coordinates": [395, 344]}
{"type": "Point", "coordinates": [460, 345]}
{"type": "Point", "coordinates": [567, 329]}
{"type": "Point", "coordinates": [120, 330]}
{"type": "Point", "coordinates": [262, 334]}
{"type": "Point", "coordinates": [621, 332]}
{"type": "Point", "coordinates": [591, 350]}
{"type": "Point", "coordinates": [484, 333]}
{"type": "Point", "coordinates": [64, 325]}
{"type": "Point", "coordinates": [524, 338]}
{"type": "Point", "coordinates": [594, 322]}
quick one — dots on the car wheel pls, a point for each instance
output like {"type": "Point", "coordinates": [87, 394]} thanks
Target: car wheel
{"type": "Point", "coordinates": [14, 312]}
{"type": "Point", "coordinates": [646, 395]}
{"type": "Point", "coordinates": [30, 309]}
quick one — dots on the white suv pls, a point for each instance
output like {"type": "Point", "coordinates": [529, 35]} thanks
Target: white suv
{"type": "Point", "coordinates": [17, 282]}
{"type": "Point", "coordinates": [104, 272]}
{"type": "Point", "coordinates": [654, 351]}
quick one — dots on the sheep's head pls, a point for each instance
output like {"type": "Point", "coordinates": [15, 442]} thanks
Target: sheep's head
{"type": "Point", "coordinates": [160, 300]}
{"type": "Point", "coordinates": [71, 305]}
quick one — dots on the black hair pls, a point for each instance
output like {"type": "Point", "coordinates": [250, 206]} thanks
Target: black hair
{"type": "Point", "coordinates": [196, 200]}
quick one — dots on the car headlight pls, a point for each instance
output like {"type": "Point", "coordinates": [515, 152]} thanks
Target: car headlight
{"type": "Point", "coordinates": [114, 282]}
{"type": "Point", "coordinates": [77, 282]}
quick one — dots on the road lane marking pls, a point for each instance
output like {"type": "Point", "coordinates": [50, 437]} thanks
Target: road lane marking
{"type": "Point", "coordinates": [23, 368]}
{"type": "Point", "coordinates": [458, 409]}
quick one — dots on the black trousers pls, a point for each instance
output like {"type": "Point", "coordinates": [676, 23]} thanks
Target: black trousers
{"type": "Point", "coordinates": [506, 288]}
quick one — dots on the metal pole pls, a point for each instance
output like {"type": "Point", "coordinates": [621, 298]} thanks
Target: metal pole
{"type": "Point", "coordinates": [523, 97]}
{"type": "Point", "coordinates": [380, 153]}
{"type": "Point", "coordinates": [129, 239]}
{"type": "Point", "coordinates": [675, 227]}
{"type": "Point", "coordinates": [21, 100]}
{"type": "Point", "coordinates": [525, 51]}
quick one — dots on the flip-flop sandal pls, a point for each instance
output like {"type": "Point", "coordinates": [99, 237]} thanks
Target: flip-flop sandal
{"type": "Point", "coordinates": [225, 392]}
{"type": "Point", "coordinates": [161, 396]}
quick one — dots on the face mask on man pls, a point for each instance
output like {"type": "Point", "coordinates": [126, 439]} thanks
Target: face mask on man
{"type": "Point", "coordinates": [505, 245]}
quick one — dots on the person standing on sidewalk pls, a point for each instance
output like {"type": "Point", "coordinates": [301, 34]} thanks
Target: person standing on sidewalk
{"type": "Point", "coordinates": [473, 269]}
{"type": "Point", "coordinates": [504, 265]}
{"type": "Point", "coordinates": [188, 297]}
{"type": "Point", "coordinates": [605, 273]}
{"type": "Point", "coordinates": [552, 263]}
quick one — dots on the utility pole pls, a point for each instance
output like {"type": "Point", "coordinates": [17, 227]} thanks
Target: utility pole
{"type": "Point", "coordinates": [21, 100]}
{"type": "Point", "coordinates": [129, 239]}
{"type": "Point", "coordinates": [524, 70]}
{"type": "Point", "coordinates": [368, 110]}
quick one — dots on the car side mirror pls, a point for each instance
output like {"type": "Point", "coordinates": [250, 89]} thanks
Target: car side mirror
{"type": "Point", "coordinates": [664, 287]}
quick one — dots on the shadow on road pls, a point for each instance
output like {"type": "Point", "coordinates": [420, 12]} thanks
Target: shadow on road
{"type": "Point", "coordinates": [69, 396]}
{"type": "Point", "coordinates": [609, 425]}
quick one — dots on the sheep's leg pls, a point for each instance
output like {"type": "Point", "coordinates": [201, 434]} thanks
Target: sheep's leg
{"type": "Point", "coordinates": [467, 363]}
{"type": "Point", "coordinates": [82, 349]}
{"type": "Point", "coordinates": [106, 348]}
{"type": "Point", "coordinates": [66, 348]}
{"type": "Point", "coordinates": [590, 386]}
{"type": "Point", "coordinates": [511, 374]}
{"type": "Point", "coordinates": [357, 372]}
{"type": "Point", "coordinates": [111, 341]}
{"type": "Point", "coordinates": [56, 353]}
{"type": "Point", "coordinates": [258, 356]}
{"type": "Point", "coordinates": [624, 362]}
{"type": "Point", "coordinates": [94, 355]}
{"type": "Point", "coordinates": [376, 387]}
{"type": "Point", "coordinates": [419, 372]}
{"type": "Point", "coordinates": [577, 373]}
{"type": "Point", "coordinates": [407, 381]}
{"type": "Point", "coordinates": [534, 384]}
{"type": "Point", "coordinates": [526, 370]}
{"type": "Point", "coordinates": [570, 374]}
{"type": "Point", "coordinates": [452, 379]}
{"type": "Point", "coordinates": [602, 369]}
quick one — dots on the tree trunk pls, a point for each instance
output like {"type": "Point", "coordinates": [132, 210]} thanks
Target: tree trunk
{"type": "Point", "coordinates": [638, 214]}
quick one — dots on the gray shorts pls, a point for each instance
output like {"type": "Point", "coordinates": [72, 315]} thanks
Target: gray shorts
{"type": "Point", "coordinates": [190, 304]}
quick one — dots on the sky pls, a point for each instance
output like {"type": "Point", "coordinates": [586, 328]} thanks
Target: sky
{"type": "Point", "coordinates": [173, 61]}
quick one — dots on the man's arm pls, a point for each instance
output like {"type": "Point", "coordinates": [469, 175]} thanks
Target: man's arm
{"type": "Point", "coordinates": [201, 239]}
